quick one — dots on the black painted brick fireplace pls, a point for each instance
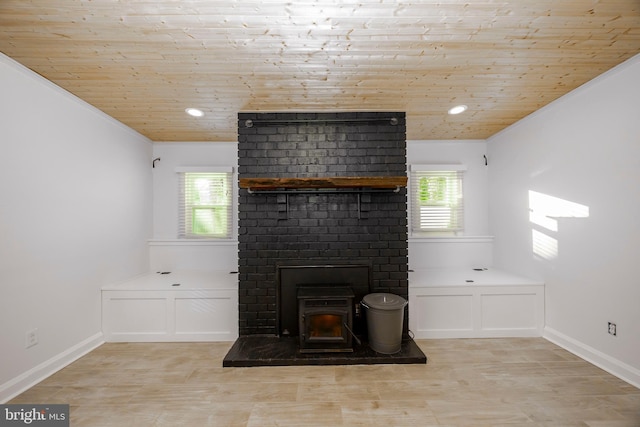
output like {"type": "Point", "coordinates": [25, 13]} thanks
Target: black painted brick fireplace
{"type": "Point", "coordinates": [277, 230]}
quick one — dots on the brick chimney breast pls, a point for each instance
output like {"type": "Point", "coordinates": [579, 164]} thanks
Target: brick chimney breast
{"type": "Point", "coordinates": [322, 228]}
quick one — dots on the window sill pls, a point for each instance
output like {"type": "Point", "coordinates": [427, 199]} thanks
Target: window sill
{"type": "Point", "coordinates": [451, 239]}
{"type": "Point", "coordinates": [192, 242]}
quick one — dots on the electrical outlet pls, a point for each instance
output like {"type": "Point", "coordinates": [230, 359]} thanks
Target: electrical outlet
{"type": "Point", "coordinates": [612, 329]}
{"type": "Point", "coordinates": [32, 338]}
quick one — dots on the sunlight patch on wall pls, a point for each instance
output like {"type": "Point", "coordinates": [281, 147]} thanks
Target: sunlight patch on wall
{"type": "Point", "coordinates": [546, 247]}
{"type": "Point", "coordinates": [544, 211]}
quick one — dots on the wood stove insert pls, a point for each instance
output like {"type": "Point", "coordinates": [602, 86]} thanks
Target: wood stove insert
{"type": "Point", "coordinates": [291, 278]}
{"type": "Point", "coordinates": [325, 319]}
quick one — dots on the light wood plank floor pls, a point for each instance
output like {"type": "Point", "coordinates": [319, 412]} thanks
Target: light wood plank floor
{"type": "Point", "coordinates": [485, 382]}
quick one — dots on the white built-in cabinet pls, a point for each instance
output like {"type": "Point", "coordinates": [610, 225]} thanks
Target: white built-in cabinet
{"type": "Point", "coordinates": [468, 303]}
{"type": "Point", "coordinates": [175, 306]}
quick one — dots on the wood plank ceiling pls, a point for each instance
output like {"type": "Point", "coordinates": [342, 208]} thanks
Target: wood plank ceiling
{"type": "Point", "coordinates": [144, 61]}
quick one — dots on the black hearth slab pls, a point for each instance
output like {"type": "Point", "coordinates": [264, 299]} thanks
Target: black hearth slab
{"type": "Point", "coordinates": [250, 351]}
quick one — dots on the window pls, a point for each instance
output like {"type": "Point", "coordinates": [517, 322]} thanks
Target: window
{"type": "Point", "coordinates": [436, 198]}
{"type": "Point", "coordinates": [205, 203]}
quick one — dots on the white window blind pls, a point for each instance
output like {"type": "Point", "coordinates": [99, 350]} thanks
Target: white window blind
{"type": "Point", "coordinates": [205, 203]}
{"type": "Point", "coordinates": [436, 198]}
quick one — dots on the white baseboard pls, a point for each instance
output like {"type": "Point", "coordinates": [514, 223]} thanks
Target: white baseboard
{"type": "Point", "coordinates": [33, 376]}
{"type": "Point", "coordinates": [614, 366]}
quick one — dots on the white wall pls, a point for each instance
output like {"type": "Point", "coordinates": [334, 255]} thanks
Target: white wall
{"type": "Point", "coordinates": [75, 214]}
{"type": "Point", "coordinates": [166, 252]}
{"type": "Point", "coordinates": [584, 149]}
{"type": "Point", "coordinates": [473, 248]}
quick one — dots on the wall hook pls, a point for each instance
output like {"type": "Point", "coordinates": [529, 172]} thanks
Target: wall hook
{"type": "Point", "coordinates": [154, 161]}
{"type": "Point", "coordinates": [486, 162]}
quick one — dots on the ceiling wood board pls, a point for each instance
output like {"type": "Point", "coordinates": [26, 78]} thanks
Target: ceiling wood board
{"type": "Point", "coordinates": [143, 62]}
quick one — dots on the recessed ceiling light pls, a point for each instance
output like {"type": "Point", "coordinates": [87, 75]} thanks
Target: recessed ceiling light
{"type": "Point", "coordinates": [458, 109]}
{"type": "Point", "coordinates": [194, 112]}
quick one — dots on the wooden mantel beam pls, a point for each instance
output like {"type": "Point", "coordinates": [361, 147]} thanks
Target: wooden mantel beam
{"type": "Point", "coordinates": [324, 182]}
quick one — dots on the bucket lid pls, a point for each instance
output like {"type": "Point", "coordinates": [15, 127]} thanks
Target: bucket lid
{"type": "Point", "coordinates": [383, 301]}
